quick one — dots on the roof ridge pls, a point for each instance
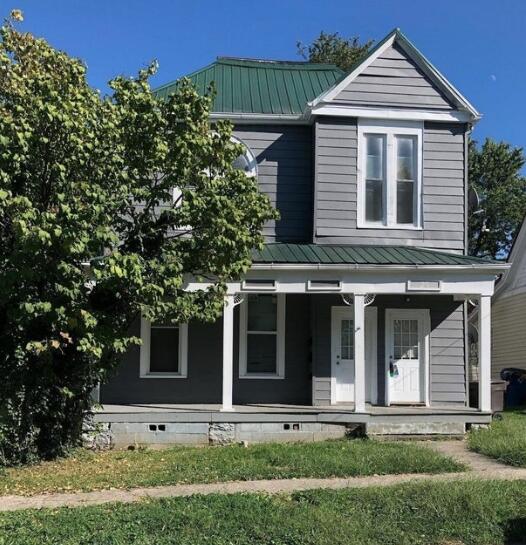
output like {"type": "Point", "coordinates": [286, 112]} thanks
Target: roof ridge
{"type": "Point", "coordinates": [277, 63]}
{"type": "Point", "coordinates": [257, 59]}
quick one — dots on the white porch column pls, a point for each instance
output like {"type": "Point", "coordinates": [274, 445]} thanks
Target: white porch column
{"type": "Point", "coordinates": [228, 352]}
{"type": "Point", "coordinates": [359, 353]}
{"type": "Point", "coordinates": [484, 352]}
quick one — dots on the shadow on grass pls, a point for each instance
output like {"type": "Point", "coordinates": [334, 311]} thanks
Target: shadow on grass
{"type": "Point", "coordinates": [515, 531]}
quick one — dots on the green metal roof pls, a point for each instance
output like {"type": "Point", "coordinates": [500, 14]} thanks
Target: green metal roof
{"type": "Point", "coordinates": [261, 86]}
{"type": "Point", "coordinates": [315, 254]}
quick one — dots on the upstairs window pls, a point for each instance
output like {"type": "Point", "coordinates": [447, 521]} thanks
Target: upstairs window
{"type": "Point", "coordinates": [389, 174]}
{"type": "Point", "coordinates": [247, 160]}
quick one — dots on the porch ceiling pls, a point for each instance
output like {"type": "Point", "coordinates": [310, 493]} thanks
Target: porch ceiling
{"type": "Point", "coordinates": [317, 254]}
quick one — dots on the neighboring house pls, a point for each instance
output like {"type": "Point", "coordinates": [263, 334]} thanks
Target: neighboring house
{"type": "Point", "coordinates": [355, 310]}
{"type": "Point", "coordinates": [508, 310]}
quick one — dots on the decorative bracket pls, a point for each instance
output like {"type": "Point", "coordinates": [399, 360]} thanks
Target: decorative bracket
{"type": "Point", "coordinates": [238, 299]}
{"type": "Point", "coordinates": [348, 299]}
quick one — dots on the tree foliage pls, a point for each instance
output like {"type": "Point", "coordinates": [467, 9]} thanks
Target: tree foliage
{"type": "Point", "coordinates": [495, 173]}
{"type": "Point", "coordinates": [334, 49]}
{"type": "Point", "coordinates": [90, 179]}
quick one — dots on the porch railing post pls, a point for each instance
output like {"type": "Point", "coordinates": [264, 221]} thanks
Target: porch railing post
{"type": "Point", "coordinates": [359, 353]}
{"type": "Point", "coordinates": [484, 353]}
{"type": "Point", "coordinates": [228, 352]}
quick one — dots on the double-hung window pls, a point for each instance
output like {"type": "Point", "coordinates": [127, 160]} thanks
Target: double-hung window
{"type": "Point", "coordinates": [164, 350]}
{"type": "Point", "coordinates": [262, 336]}
{"type": "Point", "coordinates": [389, 174]}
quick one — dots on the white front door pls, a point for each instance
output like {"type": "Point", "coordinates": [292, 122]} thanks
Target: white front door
{"type": "Point", "coordinates": [343, 354]}
{"type": "Point", "coordinates": [407, 334]}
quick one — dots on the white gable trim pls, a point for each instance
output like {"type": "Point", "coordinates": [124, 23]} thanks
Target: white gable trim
{"type": "Point", "coordinates": [434, 74]}
{"type": "Point", "coordinates": [516, 259]}
{"type": "Point", "coordinates": [340, 110]}
{"type": "Point", "coordinates": [463, 105]}
{"type": "Point", "coordinates": [332, 92]}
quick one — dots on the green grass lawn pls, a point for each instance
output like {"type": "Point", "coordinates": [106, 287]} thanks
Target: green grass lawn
{"type": "Point", "coordinates": [504, 440]}
{"type": "Point", "coordinates": [471, 513]}
{"type": "Point", "coordinates": [125, 469]}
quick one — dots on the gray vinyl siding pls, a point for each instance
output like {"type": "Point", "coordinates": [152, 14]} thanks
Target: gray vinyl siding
{"type": "Point", "coordinates": [443, 202]}
{"type": "Point", "coordinates": [307, 358]}
{"type": "Point", "coordinates": [204, 381]}
{"type": "Point", "coordinates": [321, 347]}
{"type": "Point", "coordinates": [508, 315]}
{"type": "Point", "coordinates": [446, 346]}
{"type": "Point", "coordinates": [393, 80]}
{"type": "Point", "coordinates": [447, 354]}
{"type": "Point", "coordinates": [284, 157]}
{"type": "Point", "coordinates": [295, 388]}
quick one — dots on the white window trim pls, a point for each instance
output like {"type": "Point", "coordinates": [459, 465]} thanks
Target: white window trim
{"type": "Point", "coordinates": [252, 161]}
{"type": "Point", "coordinates": [145, 352]}
{"type": "Point", "coordinates": [389, 129]}
{"type": "Point", "coordinates": [280, 341]}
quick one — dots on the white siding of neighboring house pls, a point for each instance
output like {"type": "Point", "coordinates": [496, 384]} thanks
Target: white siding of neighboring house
{"type": "Point", "coordinates": [509, 333]}
{"type": "Point", "coordinates": [509, 313]}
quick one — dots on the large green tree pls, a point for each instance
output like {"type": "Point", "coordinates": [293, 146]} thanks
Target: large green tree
{"type": "Point", "coordinates": [495, 174]}
{"type": "Point", "coordinates": [334, 49]}
{"type": "Point", "coordinates": [90, 236]}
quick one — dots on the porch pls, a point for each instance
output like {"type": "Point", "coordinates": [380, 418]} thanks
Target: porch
{"type": "Point", "coordinates": [165, 424]}
{"type": "Point", "coordinates": [274, 412]}
{"type": "Point", "coordinates": [383, 329]}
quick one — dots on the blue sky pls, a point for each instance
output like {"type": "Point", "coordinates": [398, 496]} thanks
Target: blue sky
{"type": "Point", "coordinates": [478, 45]}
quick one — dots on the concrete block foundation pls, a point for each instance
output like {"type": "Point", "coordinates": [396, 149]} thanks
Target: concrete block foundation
{"type": "Point", "coordinates": [197, 433]}
{"type": "Point", "coordinates": [416, 428]}
{"type": "Point", "coordinates": [124, 426]}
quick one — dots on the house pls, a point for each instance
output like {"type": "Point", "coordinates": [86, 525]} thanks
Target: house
{"type": "Point", "coordinates": [355, 310]}
{"type": "Point", "coordinates": [508, 310]}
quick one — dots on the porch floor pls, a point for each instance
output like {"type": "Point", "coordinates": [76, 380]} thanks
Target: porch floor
{"type": "Point", "coordinates": [341, 413]}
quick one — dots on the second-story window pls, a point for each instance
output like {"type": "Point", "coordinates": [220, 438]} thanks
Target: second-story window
{"type": "Point", "coordinates": [246, 161]}
{"type": "Point", "coordinates": [389, 174]}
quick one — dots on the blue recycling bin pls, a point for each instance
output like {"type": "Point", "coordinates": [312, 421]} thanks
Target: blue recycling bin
{"type": "Point", "coordinates": [516, 388]}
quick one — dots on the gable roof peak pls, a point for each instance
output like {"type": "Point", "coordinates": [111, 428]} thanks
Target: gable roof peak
{"type": "Point", "coordinates": [409, 49]}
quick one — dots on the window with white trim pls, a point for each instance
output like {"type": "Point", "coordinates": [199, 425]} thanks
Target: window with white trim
{"type": "Point", "coordinates": [262, 336]}
{"type": "Point", "coordinates": [389, 174]}
{"type": "Point", "coordinates": [164, 350]}
{"type": "Point", "coordinates": [247, 160]}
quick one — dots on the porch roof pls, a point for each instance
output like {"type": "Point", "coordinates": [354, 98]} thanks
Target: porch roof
{"type": "Point", "coordinates": [331, 254]}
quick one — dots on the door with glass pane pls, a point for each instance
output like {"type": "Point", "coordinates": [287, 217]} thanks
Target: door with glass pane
{"type": "Point", "coordinates": [406, 334]}
{"type": "Point", "coordinates": [343, 353]}
{"type": "Point", "coordinates": [344, 375]}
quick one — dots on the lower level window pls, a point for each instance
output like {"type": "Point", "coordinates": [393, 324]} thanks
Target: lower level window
{"type": "Point", "coordinates": [262, 336]}
{"type": "Point", "coordinates": [163, 350]}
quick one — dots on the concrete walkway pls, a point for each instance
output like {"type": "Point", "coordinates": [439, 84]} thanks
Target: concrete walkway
{"type": "Point", "coordinates": [480, 468]}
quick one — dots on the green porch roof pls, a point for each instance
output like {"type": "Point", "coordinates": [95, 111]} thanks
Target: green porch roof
{"type": "Point", "coordinates": [261, 86]}
{"type": "Point", "coordinates": [316, 254]}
